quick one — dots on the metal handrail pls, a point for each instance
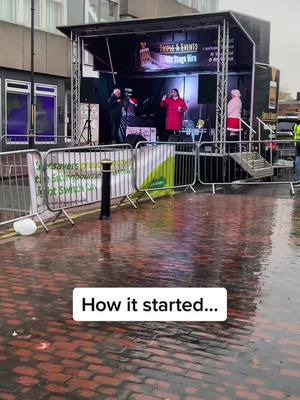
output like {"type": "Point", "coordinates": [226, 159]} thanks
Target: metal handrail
{"type": "Point", "coordinates": [248, 126]}
{"type": "Point", "coordinates": [251, 130]}
{"type": "Point", "coordinates": [260, 122]}
{"type": "Point", "coordinates": [265, 125]}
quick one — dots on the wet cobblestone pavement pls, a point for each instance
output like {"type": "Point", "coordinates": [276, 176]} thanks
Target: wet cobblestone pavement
{"type": "Point", "coordinates": [246, 243]}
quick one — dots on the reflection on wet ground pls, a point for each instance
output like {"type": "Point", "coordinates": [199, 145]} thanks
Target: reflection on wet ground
{"type": "Point", "coordinates": [248, 243]}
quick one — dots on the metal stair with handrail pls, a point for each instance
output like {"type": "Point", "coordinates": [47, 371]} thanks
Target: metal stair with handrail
{"type": "Point", "coordinates": [251, 161]}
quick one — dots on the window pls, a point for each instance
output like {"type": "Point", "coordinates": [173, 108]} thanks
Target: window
{"type": "Point", "coordinates": [113, 9]}
{"type": "Point", "coordinates": [93, 7]}
{"type": "Point", "coordinates": [8, 10]}
{"type": "Point", "coordinates": [27, 12]}
{"type": "Point", "coordinates": [54, 14]}
{"type": "Point", "coordinates": [108, 10]}
{"type": "Point", "coordinates": [17, 111]}
{"type": "Point", "coordinates": [45, 117]}
{"type": "Point", "coordinates": [101, 10]}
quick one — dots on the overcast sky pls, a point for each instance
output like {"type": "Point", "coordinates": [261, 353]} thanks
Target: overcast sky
{"type": "Point", "coordinates": [285, 33]}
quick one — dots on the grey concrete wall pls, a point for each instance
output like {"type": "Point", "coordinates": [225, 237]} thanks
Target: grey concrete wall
{"type": "Point", "coordinates": [75, 12]}
{"type": "Point", "coordinates": [152, 9]}
{"type": "Point", "coordinates": [52, 51]}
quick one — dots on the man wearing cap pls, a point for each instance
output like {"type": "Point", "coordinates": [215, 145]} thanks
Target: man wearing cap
{"type": "Point", "coordinates": [115, 114]}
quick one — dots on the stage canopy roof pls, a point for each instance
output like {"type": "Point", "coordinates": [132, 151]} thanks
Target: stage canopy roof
{"type": "Point", "coordinates": [257, 30]}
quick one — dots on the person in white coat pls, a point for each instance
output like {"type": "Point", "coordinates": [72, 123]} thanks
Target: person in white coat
{"type": "Point", "coordinates": [234, 112]}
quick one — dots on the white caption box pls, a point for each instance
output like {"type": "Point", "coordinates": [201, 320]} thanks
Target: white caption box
{"type": "Point", "coordinates": [150, 304]}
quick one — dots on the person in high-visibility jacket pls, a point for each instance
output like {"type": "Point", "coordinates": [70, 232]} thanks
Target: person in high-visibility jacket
{"type": "Point", "coordinates": [297, 138]}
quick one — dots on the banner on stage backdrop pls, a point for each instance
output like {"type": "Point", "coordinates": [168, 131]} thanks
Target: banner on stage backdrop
{"type": "Point", "coordinates": [155, 55]}
{"type": "Point", "coordinates": [76, 178]}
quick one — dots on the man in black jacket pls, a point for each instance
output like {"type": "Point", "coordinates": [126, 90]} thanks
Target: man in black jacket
{"type": "Point", "coordinates": [115, 114]}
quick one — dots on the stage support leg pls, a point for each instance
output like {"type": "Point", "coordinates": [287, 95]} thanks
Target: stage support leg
{"type": "Point", "coordinates": [75, 87]}
{"type": "Point", "coordinates": [222, 84]}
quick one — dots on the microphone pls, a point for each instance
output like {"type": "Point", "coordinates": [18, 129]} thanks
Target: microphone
{"type": "Point", "coordinates": [145, 101]}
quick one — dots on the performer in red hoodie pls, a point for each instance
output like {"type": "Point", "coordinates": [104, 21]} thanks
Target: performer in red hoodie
{"type": "Point", "coordinates": [175, 107]}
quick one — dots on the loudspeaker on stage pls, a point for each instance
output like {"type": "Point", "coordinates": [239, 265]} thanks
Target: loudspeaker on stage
{"type": "Point", "coordinates": [89, 90]}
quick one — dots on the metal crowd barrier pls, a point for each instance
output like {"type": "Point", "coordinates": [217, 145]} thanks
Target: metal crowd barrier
{"type": "Point", "coordinates": [42, 142]}
{"type": "Point", "coordinates": [165, 166]}
{"type": "Point", "coordinates": [21, 186]}
{"type": "Point", "coordinates": [73, 176]}
{"type": "Point", "coordinates": [245, 162]}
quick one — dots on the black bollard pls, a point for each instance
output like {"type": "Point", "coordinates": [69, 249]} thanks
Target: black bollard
{"type": "Point", "coordinates": [105, 198]}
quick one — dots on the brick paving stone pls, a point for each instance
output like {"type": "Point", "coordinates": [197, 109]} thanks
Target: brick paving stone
{"type": "Point", "coordinates": [87, 394]}
{"type": "Point", "coordinates": [7, 396]}
{"type": "Point", "coordinates": [101, 369]}
{"type": "Point", "coordinates": [83, 384]}
{"type": "Point", "coordinates": [55, 377]}
{"type": "Point", "coordinates": [237, 241]}
{"type": "Point", "coordinates": [290, 372]}
{"type": "Point", "coordinates": [107, 380]}
{"type": "Point", "coordinates": [50, 367]}
{"type": "Point", "coordinates": [247, 395]}
{"type": "Point", "coordinates": [274, 394]}
{"type": "Point", "coordinates": [158, 383]}
{"type": "Point", "coordinates": [144, 397]}
{"type": "Point", "coordinates": [56, 389]}
{"type": "Point", "coordinates": [191, 390]}
{"type": "Point", "coordinates": [192, 398]}
{"type": "Point", "coordinates": [166, 395]}
{"type": "Point", "coordinates": [27, 381]}
{"type": "Point", "coordinates": [26, 371]}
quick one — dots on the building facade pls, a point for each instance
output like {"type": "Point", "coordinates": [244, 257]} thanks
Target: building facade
{"type": "Point", "coordinates": [203, 6]}
{"type": "Point", "coordinates": [52, 58]}
{"type": "Point", "coordinates": [130, 9]}
{"type": "Point", "coordinates": [52, 66]}
{"type": "Point", "coordinates": [289, 107]}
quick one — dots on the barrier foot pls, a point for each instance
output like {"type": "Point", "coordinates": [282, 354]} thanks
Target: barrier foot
{"type": "Point", "coordinates": [67, 216]}
{"type": "Point", "coordinates": [121, 202]}
{"type": "Point", "coordinates": [292, 190]}
{"type": "Point", "coordinates": [150, 197]}
{"type": "Point", "coordinates": [131, 202]}
{"type": "Point", "coordinates": [57, 216]}
{"type": "Point", "coordinates": [141, 194]}
{"type": "Point", "coordinates": [214, 188]}
{"type": "Point", "coordinates": [192, 189]}
{"type": "Point", "coordinates": [42, 223]}
{"type": "Point", "coordinates": [62, 211]}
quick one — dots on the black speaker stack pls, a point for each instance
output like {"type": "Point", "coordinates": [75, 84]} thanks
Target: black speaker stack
{"type": "Point", "coordinates": [89, 88]}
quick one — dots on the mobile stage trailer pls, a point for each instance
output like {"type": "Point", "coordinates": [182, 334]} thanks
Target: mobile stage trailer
{"type": "Point", "coordinates": [204, 55]}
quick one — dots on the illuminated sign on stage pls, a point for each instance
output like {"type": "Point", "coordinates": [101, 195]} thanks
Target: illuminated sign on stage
{"type": "Point", "coordinates": [156, 56]}
{"type": "Point", "coordinates": [178, 53]}
{"type": "Point", "coordinates": [178, 48]}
